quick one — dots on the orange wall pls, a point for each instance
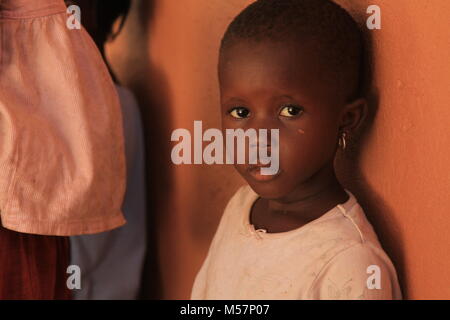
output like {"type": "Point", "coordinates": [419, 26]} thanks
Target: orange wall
{"type": "Point", "coordinates": [399, 170]}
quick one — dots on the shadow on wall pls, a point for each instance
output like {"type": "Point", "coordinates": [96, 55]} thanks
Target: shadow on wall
{"type": "Point", "coordinates": [348, 164]}
{"type": "Point", "coordinates": [157, 129]}
{"type": "Point", "coordinates": [141, 74]}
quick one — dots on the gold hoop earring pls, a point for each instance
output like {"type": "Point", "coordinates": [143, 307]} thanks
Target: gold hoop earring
{"type": "Point", "coordinates": [342, 140]}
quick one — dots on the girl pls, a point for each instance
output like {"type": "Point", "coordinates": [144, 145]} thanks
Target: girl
{"type": "Point", "coordinates": [294, 65]}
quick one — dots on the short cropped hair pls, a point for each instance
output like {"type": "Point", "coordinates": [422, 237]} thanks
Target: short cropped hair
{"type": "Point", "coordinates": [337, 36]}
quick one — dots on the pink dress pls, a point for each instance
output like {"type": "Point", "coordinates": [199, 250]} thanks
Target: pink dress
{"type": "Point", "coordinates": [62, 159]}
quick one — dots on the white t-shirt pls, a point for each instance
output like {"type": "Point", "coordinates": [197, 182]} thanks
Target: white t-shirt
{"type": "Point", "coordinates": [336, 256]}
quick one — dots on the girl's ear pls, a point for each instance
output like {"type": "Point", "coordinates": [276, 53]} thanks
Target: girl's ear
{"type": "Point", "coordinates": [353, 115]}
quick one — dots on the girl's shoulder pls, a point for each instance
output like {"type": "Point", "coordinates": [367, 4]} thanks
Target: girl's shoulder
{"type": "Point", "coordinates": [242, 199]}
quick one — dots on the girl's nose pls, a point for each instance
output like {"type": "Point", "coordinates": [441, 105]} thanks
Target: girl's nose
{"type": "Point", "coordinates": [264, 121]}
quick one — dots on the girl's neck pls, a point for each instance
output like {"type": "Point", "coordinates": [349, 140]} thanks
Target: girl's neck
{"type": "Point", "coordinates": [312, 200]}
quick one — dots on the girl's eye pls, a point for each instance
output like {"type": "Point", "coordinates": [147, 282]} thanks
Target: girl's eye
{"type": "Point", "coordinates": [239, 112]}
{"type": "Point", "coordinates": [291, 111]}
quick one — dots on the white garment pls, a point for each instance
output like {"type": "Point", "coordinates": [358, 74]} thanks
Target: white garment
{"type": "Point", "coordinates": [327, 258]}
{"type": "Point", "coordinates": [111, 262]}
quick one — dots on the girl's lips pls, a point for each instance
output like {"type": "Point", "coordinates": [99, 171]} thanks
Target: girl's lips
{"type": "Point", "coordinates": [255, 172]}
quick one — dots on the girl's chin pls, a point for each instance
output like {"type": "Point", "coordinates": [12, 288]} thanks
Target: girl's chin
{"type": "Point", "coordinates": [270, 190]}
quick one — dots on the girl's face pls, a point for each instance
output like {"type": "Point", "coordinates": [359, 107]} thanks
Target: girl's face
{"type": "Point", "coordinates": [269, 85]}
